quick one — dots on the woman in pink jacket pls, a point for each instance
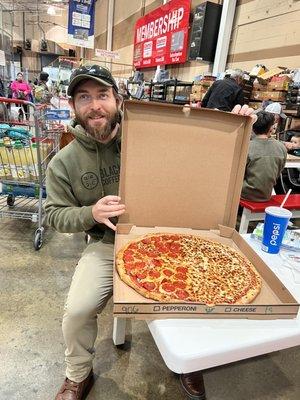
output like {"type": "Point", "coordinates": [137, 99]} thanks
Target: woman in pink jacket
{"type": "Point", "coordinates": [21, 90]}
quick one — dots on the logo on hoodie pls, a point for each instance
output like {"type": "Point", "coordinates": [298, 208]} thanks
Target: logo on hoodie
{"type": "Point", "coordinates": [89, 180]}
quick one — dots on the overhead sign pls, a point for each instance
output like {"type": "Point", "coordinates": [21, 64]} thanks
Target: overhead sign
{"type": "Point", "coordinates": [81, 23]}
{"type": "Point", "coordinates": [161, 37]}
{"type": "Point", "coordinates": [106, 53]}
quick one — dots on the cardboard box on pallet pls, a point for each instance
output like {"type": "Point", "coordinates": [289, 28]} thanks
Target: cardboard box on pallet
{"type": "Point", "coordinates": [196, 190]}
{"type": "Point", "coordinates": [275, 96]}
{"type": "Point", "coordinates": [279, 83]}
{"type": "Point", "coordinates": [264, 78]}
{"type": "Point", "coordinates": [259, 95]}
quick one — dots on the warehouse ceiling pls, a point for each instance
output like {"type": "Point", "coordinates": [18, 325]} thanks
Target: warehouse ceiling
{"type": "Point", "coordinates": [40, 6]}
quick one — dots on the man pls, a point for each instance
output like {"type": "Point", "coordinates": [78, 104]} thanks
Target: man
{"type": "Point", "coordinates": [41, 90]}
{"type": "Point", "coordinates": [266, 160]}
{"type": "Point", "coordinates": [82, 187]}
{"type": "Point", "coordinates": [224, 94]}
{"type": "Point", "coordinates": [279, 115]}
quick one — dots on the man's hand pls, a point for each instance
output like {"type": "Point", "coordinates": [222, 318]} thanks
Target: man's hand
{"type": "Point", "coordinates": [108, 207]}
{"type": "Point", "coordinates": [245, 110]}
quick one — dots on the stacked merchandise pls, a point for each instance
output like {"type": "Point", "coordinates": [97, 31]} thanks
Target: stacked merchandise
{"type": "Point", "coordinates": [269, 86]}
{"type": "Point", "coordinates": [247, 86]}
{"type": "Point", "coordinates": [200, 88]}
{"type": "Point", "coordinates": [158, 92]}
{"type": "Point", "coordinates": [293, 99]}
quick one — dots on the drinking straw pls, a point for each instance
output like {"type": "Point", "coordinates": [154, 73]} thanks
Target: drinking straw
{"type": "Point", "coordinates": [285, 199]}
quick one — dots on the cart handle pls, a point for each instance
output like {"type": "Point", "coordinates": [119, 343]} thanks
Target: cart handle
{"type": "Point", "coordinates": [16, 101]}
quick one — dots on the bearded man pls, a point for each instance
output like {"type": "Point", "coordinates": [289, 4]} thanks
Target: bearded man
{"type": "Point", "coordinates": [82, 187]}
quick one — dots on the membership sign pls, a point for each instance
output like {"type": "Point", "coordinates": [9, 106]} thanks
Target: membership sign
{"type": "Point", "coordinates": [81, 23]}
{"type": "Point", "coordinates": [161, 37]}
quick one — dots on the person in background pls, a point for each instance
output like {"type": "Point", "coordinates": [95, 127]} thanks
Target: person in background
{"type": "Point", "coordinates": [226, 93]}
{"type": "Point", "coordinates": [265, 161]}
{"type": "Point", "coordinates": [31, 98]}
{"type": "Point", "coordinates": [2, 90]}
{"type": "Point", "coordinates": [42, 93]}
{"type": "Point", "coordinates": [21, 91]}
{"type": "Point", "coordinates": [82, 195]}
{"type": "Point", "coordinates": [295, 145]}
{"type": "Point", "coordinates": [276, 109]}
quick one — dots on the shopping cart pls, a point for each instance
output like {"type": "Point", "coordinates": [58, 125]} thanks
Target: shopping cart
{"type": "Point", "coordinates": [26, 147]}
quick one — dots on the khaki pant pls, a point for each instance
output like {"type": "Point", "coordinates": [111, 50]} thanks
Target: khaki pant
{"type": "Point", "coordinates": [90, 290]}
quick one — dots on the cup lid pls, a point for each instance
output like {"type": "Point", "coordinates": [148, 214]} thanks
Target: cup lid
{"type": "Point", "coordinates": [278, 212]}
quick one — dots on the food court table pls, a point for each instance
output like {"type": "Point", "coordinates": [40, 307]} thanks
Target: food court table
{"type": "Point", "coordinates": [188, 345]}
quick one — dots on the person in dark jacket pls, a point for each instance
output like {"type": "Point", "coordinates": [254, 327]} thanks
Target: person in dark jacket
{"type": "Point", "coordinates": [226, 93]}
{"type": "Point", "coordinates": [2, 90]}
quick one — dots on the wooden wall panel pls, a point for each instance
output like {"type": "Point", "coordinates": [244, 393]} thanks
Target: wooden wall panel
{"type": "Point", "coordinates": [266, 32]}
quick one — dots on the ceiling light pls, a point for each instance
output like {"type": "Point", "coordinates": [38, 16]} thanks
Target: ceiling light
{"type": "Point", "coordinates": [51, 10]}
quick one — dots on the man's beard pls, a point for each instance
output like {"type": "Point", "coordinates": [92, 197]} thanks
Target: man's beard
{"type": "Point", "coordinates": [100, 133]}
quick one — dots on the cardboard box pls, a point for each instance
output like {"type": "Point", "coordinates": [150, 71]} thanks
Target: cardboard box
{"type": "Point", "coordinates": [192, 191]}
{"type": "Point", "coordinates": [279, 83]}
{"type": "Point", "coordinates": [268, 75]}
{"type": "Point", "coordinates": [259, 87]}
{"type": "Point", "coordinates": [275, 96]}
{"type": "Point", "coordinates": [258, 70]}
{"type": "Point", "coordinates": [259, 95]}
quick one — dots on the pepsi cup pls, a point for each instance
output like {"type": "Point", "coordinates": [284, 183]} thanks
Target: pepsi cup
{"type": "Point", "coordinates": [276, 221]}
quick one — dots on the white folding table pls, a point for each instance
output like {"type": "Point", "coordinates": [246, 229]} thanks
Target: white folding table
{"type": "Point", "coordinates": [188, 345]}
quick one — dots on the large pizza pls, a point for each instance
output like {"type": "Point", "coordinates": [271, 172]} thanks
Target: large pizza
{"type": "Point", "coordinates": [176, 267]}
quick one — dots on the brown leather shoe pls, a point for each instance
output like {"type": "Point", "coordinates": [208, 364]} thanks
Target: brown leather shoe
{"type": "Point", "coordinates": [193, 385]}
{"type": "Point", "coordinates": [75, 391]}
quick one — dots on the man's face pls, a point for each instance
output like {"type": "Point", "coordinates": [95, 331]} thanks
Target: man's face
{"type": "Point", "coordinates": [19, 77]}
{"type": "Point", "coordinates": [295, 142]}
{"type": "Point", "coordinates": [96, 109]}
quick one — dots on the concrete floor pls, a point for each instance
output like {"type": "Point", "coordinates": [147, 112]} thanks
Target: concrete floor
{"type": "Point", "coordinates": [33, 286]}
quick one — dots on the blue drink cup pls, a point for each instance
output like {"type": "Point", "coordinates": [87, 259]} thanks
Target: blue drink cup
{"type": "Point", "coordinates": [276, 221]}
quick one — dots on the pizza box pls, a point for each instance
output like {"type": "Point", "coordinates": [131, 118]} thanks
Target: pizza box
{"type": "Point", "coordinates": [181, 172]}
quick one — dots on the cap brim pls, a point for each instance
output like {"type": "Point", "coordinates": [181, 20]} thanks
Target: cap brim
{"type": "Point", "coordinates": [83, 77]}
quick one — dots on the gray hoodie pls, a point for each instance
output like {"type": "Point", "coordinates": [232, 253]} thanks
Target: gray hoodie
{"type": "Point", "coordinates": [77, 177]}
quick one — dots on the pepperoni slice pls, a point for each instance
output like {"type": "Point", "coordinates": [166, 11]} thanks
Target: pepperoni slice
{"type": "Point", "coordinates": [167, 272]}
{"type": "Point", "coordinates": [174, 238]}
{"type": "Point", "coordinates": [168, 287]}
{"type": "Point", "coordinates": [149, 285]}
{"type": "Point", "coordinates": [129, 267]}
{"type": "Point", "coordinates": [157, 263]}
{"type": "Point", "coordinates": [180, 276]}
{"type": "Point", "coordinates": [154, 274]}
{"type": "Point", "coordinates": [128, 252]}
{"type": "Point", "coordinates": [128, 258]}
{"type": "Point", "coordinates": [141, 275]}
{"type": "Point", "coordinates": [182, 270]}
{"type": "Point", "coordinates": [175, 247]}
{"type": "Point", "coordinates": [152, 253]}
{"type": "Point", "coordinates": [173, 255]}
{"type": "Point", "coordinates": [182, 294]}
{"type": "Point", "coordinates": [140, 264]}
{"type": "Point", "coordinates": [135, 280]}
{"type": "Point", "coordinates": [146, 241]}
{"type": "Point", "coordinates": [180, 285]}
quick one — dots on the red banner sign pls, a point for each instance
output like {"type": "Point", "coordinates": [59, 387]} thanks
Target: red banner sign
{"type": "Point", "coordinates": [161, 37]}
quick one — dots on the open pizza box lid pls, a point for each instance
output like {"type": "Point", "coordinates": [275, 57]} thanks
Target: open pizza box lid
{"type": "Point", "coordinates": [180, 172]}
